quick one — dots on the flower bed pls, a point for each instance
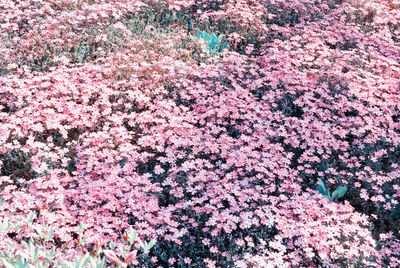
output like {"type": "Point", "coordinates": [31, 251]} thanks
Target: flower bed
{"type": "Point", "coordinates": [205, 126]}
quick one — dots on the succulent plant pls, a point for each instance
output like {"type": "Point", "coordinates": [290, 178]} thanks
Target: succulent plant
{"type": "Point", "coordinates": [214, 44]}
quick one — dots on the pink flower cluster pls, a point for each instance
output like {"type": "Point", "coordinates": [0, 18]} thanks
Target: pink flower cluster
{"type": "Point", "coordinates": [111, 118]}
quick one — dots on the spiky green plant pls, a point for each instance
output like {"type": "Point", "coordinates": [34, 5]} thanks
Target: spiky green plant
{"type": "Point", "coordinates": [214, 42]}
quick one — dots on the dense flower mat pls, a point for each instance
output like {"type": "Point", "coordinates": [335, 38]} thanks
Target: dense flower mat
{"type": "Point", "coordinates": [206, 127]}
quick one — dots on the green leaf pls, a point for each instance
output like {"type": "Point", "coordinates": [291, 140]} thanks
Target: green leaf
{"type": "Point", "coordinates": [338, 193]}
{"type": "Point", "coordinates": [321, 188]}
{"type": "Point", "coordinates": [140, 242]}
{"type": "Point", "coordinates": [6, 263]}
{"type": "Point", "coordinates": [202, 35]}
{"type": "Point", "coordinates": [223, 46]}
{"type": "Point", "coordinates": [82, 241]}
{"type": "Point", "coordinates": [132, 235]}
{"type": "Point", "coordinates": [49, 254]}
{"type": "Point", "coordinates": [111, 245]}
{"type": "Point", "coordinates": [321, 183]}
{"type": "Point", "coordinates": [50, 235]}
{"type": "Point", "coordinates": [30, 220]}
{"type": "Point", "coordinates": [4, 225]}
{"type": "Point", "coordinates": [31, 248]}
{"type": "Point", "coordinates": [68, 264]}
{"type": "Point", "coordinates": [147, 246]}
{"type": "Point", "coordinates": [80, 229]}
{"type": "Point", "coordinates": [94, 264]}
{"type": "Point", "coordinates": [193, 38]}
{"type": "Point", "coordinates": [101, 264]}
{"type": "Point", "coordinates": [212, 44]}
{"type": "Point", "coordinates": [84, 261]}
{"type": "Point", "coordinates": [152, 243]}
{"type": "Point", "coordinates": [22, 264]}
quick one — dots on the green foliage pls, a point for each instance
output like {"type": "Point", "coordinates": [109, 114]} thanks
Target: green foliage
{"type": "Point", "coordinates": [338, 193]}
{"type": "Point", "coordinates": [214, 44]}
{"type": "Point", "coordinates": [36, 254]}
{"type": "Point", "coordinates": [147, 246]}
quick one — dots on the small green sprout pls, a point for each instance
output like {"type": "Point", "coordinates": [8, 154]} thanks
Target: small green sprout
{"type": "Point", "coordinates": [338, 193]}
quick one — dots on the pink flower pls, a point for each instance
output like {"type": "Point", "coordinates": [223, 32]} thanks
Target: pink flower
{"type": "Point", "coordinates": [239, 242]}
{"type": "Point", "coordinates": [158, 169]}
{"type": "Point", "coordinates": [210, 263]}
{"type": "Point", "coordinates": [214, 249]}
{"type": "Point", "coordinates": [171, 261]}
{"type": "Point", "coordinates": [206, 241]}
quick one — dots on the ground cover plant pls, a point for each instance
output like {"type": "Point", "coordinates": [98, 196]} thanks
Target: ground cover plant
{"type": "Point", "coordinates": [213, 133]}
